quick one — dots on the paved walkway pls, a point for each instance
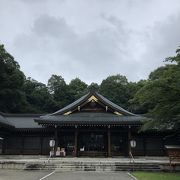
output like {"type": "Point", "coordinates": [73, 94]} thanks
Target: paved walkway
{"type": "Point", "coordinates": [49, 175]}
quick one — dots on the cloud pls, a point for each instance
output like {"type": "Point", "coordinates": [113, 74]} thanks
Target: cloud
{"type": "Point", "coordinates": [91, 39]}
{"type": "Point", "coordinates": [52, 27]}
{"type": "Point", "coordinates": [53, 41]}
{"type": "Point", "coordinates": [162, 41]}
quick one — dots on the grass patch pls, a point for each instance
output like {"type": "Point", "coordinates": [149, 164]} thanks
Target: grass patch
{"type": "Point", "coordinates": [156, 176]}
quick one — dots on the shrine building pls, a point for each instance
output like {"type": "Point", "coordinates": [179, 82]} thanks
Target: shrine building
{"type": "Point", "coordinates": [91, 126]}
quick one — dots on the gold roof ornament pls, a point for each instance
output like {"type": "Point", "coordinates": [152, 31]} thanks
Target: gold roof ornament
{"type": "Point", "coordinates": [79, 108]}
{"type": "Point", "coordinates": [93, 98]}
{"type": "Point", "coordinates": [67, 113]}
{"type": "Point", "coordinates": [117, 113]}
{"type": "Point", "coordinates": [106, 108]}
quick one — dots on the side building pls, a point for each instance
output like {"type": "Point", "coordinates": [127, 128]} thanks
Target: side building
{"type": "Point", "coordinates": [91, 126]}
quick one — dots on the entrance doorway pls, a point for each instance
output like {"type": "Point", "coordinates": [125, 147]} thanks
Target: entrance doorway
{"type": "Point", "coordinates": [92, 144]}
{"type": "Point", "coordinates": [119, 144]}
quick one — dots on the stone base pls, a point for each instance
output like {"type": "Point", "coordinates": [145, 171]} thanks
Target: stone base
{"type": "Point", "coordinates": [167, 167]}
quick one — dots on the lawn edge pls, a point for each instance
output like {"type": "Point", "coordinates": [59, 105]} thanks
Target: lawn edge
{"type": "Point", "coordinates": [132, 176]}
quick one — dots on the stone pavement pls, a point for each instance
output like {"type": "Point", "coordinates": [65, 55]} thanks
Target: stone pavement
{"type": "Point", "coordinates": [40, 175]}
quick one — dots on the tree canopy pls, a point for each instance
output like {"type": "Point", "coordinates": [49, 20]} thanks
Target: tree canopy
{"type": "Point", "coordinates": [161, 96]}
{"type": "Point", "coordinates": [115, 89]}
{"type": "Point", "coordinates": [12, 98]}
{"type": "Point", "coordinates": [77, 88]}
{"type": "Point", "coordinates": [38, 97]}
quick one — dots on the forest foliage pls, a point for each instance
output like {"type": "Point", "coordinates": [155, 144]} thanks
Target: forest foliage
{"type": "Point", "coordinates": [157, 97]}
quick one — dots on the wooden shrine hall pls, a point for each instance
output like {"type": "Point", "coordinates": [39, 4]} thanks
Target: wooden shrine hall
{"type": "Point", "coordinates": [90, 126]}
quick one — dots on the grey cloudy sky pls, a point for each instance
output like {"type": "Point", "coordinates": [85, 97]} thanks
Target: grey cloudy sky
{"type": "Point", "coordinates": [90, 39]}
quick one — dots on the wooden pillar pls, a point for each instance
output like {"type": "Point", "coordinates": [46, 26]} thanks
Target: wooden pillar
{"type": "Point", "coordinates": [76, 142]}
{"type": "Point", "coordinates": [109, 141]}
{"type": "Point", "coordinates": [129, 139]}
{"type": "Point", "coordinates": [144, 146]}
{"type": "Point", "coordinates": [163, 145]}
{"type": "Point", "coordinates": [4, 146]}
{"type": "Point", "coordinates": [22, 146]}
{"type": "Point", "coordinates": [55, 138]}
{"type": "Point", "coordinates": [41, 145]}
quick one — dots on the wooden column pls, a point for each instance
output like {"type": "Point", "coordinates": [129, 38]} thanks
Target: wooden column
{"type": "Point", "coordinates": [109, 141]}
{"type": "Point", "coordinates": [4, 146]}
{"type": "Point", "coordinates": [129, 138]}
{"type": "Point", "coordinates": [22, 146]}
{"type": "Point", "coordinates": [41, 145]}
{"type": "Point", "coordinates": [144, 146]}
{"type": "Point", "coordinates": [163, 145]}
{"type": "Point", "coordinates": [76, 142]}
{"type": "Point", "coordinates": [55, 138]}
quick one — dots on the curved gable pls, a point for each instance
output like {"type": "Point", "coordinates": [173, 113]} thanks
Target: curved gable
{"type": "Point", "coordinates": [89, 99]}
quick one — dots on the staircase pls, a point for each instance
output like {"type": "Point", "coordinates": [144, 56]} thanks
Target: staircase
{"type": "Point", "coordinates": [98, 166]}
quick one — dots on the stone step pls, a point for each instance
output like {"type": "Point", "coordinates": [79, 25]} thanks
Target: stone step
{"type": "Point", "coordinates": [100, 164]}
{"type": "Point", "coordinates": [104, 166]}
{"type": "Point", "coordinates": [105, 170]}
{"type": "Point", "coordinates": [92, 167]}
{"type": "Point", "coordinates": [75, 170]}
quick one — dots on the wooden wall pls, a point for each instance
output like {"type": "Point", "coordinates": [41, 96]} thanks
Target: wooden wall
{"type": "Point", "coordinates": [38, 143]}
{"type": "Point", "coordinates": [149, 145]}
{"type": "Point", "coordinates": [27, 145]}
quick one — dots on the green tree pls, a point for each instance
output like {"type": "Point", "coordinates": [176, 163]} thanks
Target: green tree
{"type": "Point", "coordinates": [38, 97]}
{"type": "Point", "coordinates": [93, 86]}
{"type": "Point", "coordinates": [77, 88]}
{"type": "Point", "coordinates": [12, 98]}
{"type": "Point", "coordinates": [176, 58]}
{"type": "Point", "coordinates": [115, 89]}
{"type": "Point", "coordinates": [59, 90]}
{"type": "Point", "coordinates": [161, 95]}
{"type": "Point", "coordinates": [133, 88]}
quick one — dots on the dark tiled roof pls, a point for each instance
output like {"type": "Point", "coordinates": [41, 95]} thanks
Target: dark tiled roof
{"type": "Point", "coordinates": [23, 121]}
{"type": "Point", "coordinates": [5, 123]}
{"type": "Point", "coordinates": [113, 105]}
{"type": "Point", "coordinates": [99, 97]}
{"type": "Point", "coordinates": [91, 118]}
{"type": "Point", "coordinates": [72, 105]}
{"type": "Point", "coordinates": [32, 121]}
{"type": "Point", "coordinates": [21, 115]}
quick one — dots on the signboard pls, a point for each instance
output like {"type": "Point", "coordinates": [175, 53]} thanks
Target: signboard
{"type": "Point", "coordinates": [133, 143]}
{"type": "Point", "coordinates": [52, 143]}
